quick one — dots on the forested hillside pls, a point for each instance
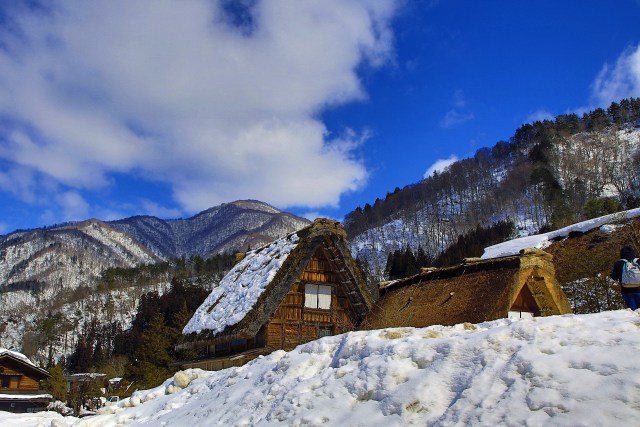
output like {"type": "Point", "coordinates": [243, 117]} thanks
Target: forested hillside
{"type": "Point", "coordinates": [549, 174]}
{"type": "Point", "coordinates": [58, 282]}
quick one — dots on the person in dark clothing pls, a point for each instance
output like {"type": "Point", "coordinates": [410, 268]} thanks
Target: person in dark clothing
{"type": "Point", "coordinates": [631, 296]}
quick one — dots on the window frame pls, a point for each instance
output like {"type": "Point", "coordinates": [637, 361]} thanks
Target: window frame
{"type": "Point", "coordinates": [5, 381]}
{"type": "Point", "coordinates": [317, 296]}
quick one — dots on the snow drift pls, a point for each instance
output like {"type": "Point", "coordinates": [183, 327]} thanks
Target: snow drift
{"type": "Point", "coordinates": [560, 370]}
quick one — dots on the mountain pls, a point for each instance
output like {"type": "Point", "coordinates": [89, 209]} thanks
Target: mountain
{"type": "Point", "coordinates": [230, 226]}
{"type": "Point", "coordinates": [550, 174]}
{"type": "Point", "coordinates": [67, 256]}
{"type": "Point", "coordinates": [95, 272]}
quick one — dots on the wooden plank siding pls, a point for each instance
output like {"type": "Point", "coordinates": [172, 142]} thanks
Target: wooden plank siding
{"type": "Point", "coordinates": [18, 379]}
{"type": "Point", "coordinates": [292, 323]}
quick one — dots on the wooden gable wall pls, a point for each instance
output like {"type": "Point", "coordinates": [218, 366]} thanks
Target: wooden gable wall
{"type": "Point", "coordinates": [15, 377]}
{"type": "Point", "coordinates": [525, 303]}
{"type": "Point", "coordinates": [293, 323]}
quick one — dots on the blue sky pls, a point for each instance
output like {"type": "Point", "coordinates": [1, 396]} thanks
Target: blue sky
{"type": "Point", "coordinates": [117, 108]}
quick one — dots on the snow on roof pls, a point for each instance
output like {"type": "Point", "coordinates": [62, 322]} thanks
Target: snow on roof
{"type": "Point", "coordinates": [239, 290]}
{"type": "Point", "coordinates": [557, 370]}
{"type": "Point", "coordinates": [16, 355]}
{"type": "Point", "coordinates": [541, 241]}
{"type": "Point", "coordinates": [84, 376]}
{"type": "Point", "coordinates": [25, 396]}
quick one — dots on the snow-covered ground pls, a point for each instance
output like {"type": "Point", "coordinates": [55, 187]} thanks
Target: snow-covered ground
{"type": "Point", "coordinates": [561, 371]}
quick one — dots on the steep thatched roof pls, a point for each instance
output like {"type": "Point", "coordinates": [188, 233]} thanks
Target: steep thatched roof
{"type": "Point", "coordinates": [476, 291]}
{"type": "Point", "coordinates": [251, 292]}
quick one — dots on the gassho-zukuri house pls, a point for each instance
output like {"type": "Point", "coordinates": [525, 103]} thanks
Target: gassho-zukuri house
{"type": "Point", "coordinates": [20, 383]}
{"type": "Point", "coordinates": [297, 289]}
{"type": "Point", "coordinates": [479, 290]}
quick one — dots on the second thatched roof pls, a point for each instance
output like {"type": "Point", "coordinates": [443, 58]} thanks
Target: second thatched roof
{"type": "Point", "coordinates": [473, 292]}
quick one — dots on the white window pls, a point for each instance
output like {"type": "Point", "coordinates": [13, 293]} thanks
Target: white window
{"type": "Point", "coordinates": [325, 332]}
{"type": "Point", "coordinates": [520, 315]}
{"type": "Point", "coordinates": [317, 296]}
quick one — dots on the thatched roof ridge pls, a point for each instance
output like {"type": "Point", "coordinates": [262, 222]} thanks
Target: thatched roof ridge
{"type": "Point", "coordinates": [308, 240]}
{"type": "Point", "coordinates": [475, 291]}
{"type": "Point", "coordinates": [468, 267]}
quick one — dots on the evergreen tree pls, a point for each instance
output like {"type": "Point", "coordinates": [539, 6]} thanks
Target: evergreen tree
{"type": "Point", "coordinates": [56, 385]}
{"type": "Point", "coordinates": [152, 359]}
{"type": "Point", "coordinates": [81, 360]}
{"type": "Point", "coordinates": [422, 259]}
{"type": "Point", "coordinates": [472, 244]}
{"type": "Point", "coordinates": [601, 206]}
{"type": "Point", "coordinates": [182, 317]}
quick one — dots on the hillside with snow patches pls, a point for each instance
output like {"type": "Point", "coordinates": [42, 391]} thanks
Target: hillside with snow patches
{"type": "Point", "coordinates": [484, 190]}
{"type": "Point", "coordinates": [68, 256]}
{"type": "Point", "coordinates": [553, 371]}
{"type": "Point", "coordinates": [46, 271]}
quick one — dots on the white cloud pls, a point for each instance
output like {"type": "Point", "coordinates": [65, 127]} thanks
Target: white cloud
{"type": "Point", "coordinates": [154, 209]}
{"type": "Point", "coordinates": [3, 228]}
{"type": "Point", "coordinates": [73, 206]}
{"type": "Point", "coordinates": [622, 80]}
{"type": "Point", "coordinates": [539, 116]}
{"type": "Point", "coordinates": [176, 93]}
{"type": "Point", "coordinates": [459, 113]}
{"type": "Point", "coordinates": [312, 215]}
{"type": "Point", "coordinates": [459, 100]}
{"type": "Point", "coordinates": [455, 117]}
{"type": "Point", "coordinates": [440, 165]}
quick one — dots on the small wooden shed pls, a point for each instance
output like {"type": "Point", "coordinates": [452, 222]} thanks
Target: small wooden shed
{"type": "Point", "coordinates": [20, 383]}
{"type": "Point", "coordinates": [299, 288]}
{"type": "Point", "coordinates": [476, 291]}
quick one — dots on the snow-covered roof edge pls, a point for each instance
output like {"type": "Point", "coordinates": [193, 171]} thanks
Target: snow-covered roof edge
{"type": "Point", "coordinates": [23, 359]}
{"type": "Point", "coordinates": [16, 355]}
{"type": "Point", "coordinates": [541, 241]}
{"type": "Point", "coordinates": [25, 396]}
{"type": "Point", "coordinates": [241, 287]}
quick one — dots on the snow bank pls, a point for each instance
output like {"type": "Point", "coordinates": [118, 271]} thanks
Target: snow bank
{"type": "Point", "coordinates": [40, 419]}
{"type": "Point", "coordinates": [240, 288]}
{"type": "Point", "coordinates": [541, 241]}
{"type": "Point", "coordinates": [560, 370]}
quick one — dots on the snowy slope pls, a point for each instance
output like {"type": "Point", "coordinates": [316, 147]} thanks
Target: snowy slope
{"type": "Point", "coordinates": [554, 371]}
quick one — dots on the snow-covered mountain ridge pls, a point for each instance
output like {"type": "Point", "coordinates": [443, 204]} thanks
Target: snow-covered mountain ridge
{"type": "Point", "coordinates": [68, 256]}
{"type": "Point", "coordinates": [230, 226]}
